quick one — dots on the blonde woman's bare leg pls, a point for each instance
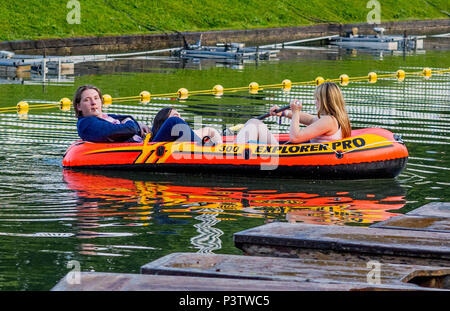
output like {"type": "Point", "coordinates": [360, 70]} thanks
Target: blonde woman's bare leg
{"type": "Point", "coordinates": [255, 130]}
{"type": "Point", "coordinates": [211, 132]}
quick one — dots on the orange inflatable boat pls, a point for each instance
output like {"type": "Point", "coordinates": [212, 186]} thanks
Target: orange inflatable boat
{"type": "Point", "coordinates": [368, 153]}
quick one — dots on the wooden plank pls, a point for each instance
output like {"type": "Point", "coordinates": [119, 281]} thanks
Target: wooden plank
{"type": "Point", "coordinates": [288, 269]}
{"type": "Point", "coordinates": [97, 281]}
{"type": "Point", "coordinates": [421, 223]}
{"type": "Point", "coordinates": [436, 209]}
{"type": "Point", "coordinates": [293, 240]}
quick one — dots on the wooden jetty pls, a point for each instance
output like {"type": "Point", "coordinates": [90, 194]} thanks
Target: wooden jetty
{"type": "Point", "coordinates": [422, 223]}
{"type": "Point", "coordinates": [9, 66]}
{"type": "Point", "coordinates": [12, 63]}
{"type": "Point", "coordinates": [97, 281]}
{"type": "Point", "coordinates": [303, 270]}
{"type": "Point", "coordinates": [433, 217]}
{"type": "Point", "coordinates": [16, 64]}
{"type": "Point", "coordinates": [193, 271]}
{"type": "Point", "coordinates": [410, 252]}
{"type": "Point", "coordinates": [412, 244]}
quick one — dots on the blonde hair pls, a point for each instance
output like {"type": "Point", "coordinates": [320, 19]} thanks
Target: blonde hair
{"type": "Point", "coordinates": [331, 102]}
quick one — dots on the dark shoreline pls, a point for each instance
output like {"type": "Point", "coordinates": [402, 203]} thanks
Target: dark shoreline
{"type": "Point", "coordinates": [115, 44]}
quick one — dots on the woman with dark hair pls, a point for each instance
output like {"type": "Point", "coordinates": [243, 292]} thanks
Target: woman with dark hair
{"type": "Point", "coordinates": [159, 119]}
{"type": "Point", "coordinates": [168, 125]}
{"type": "Point", "coordinates": [95, 126]}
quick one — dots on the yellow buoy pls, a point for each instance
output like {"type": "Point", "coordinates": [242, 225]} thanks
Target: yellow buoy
{"type": "Point", "coordinates": [64, 104]}
{"type": "Point", "coordinates": [107, 99]}
{"type": "Point", "coordinates": [344, 79]}
{"type": "Point", "coordinates": [287, 84]}
{"type": "Point", "coordinates": [22, 108]}
{"type": "Point", "coordinates": [218, 90]}
{"type": "Point", "coordinates": [400, 75]}
{"type": "Point", "coordinates": [426, 72]}
{"type": "Point", "coordinates": [319, 80]}
{"type": "Point", "coordinates": [372, 77]}
{"type": "Point", "coordinates": [253, 87]}
{"type": "Point", "coordinates": [145, 97]}
{"type": "Point", "coordinates": [182, 93]}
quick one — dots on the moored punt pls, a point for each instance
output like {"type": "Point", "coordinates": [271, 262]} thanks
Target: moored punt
{"type": "Point", "coordinates": [384, 43]}
{"type": "Point", "coordinates": [421, 223]}
{"type": "Point", "coordinates": [430, 217]}
{"type": "Point", "coordinates": [368, 153]}
{"type": "Point", "coordinates": [233, 50]}
{"type": "Point", "coordinates": [346, 243]}
{"type": "Point", "coordinates": [368, 42]}
{"type": "Point", "coordinates": [379, 41]}
{"type": "Point", "coordinates": [98, 281]}
{"type": "Point", "coordinates": [301, 270]}
{"type": "Point", "coordinates": [435, 209]}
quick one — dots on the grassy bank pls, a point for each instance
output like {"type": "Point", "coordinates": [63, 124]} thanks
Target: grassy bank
{"type": "Point", "coordinates": [37, 19]}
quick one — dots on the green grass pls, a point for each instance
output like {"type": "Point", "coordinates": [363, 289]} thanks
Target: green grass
{"type": "Point", "coordinates": [37, 19]}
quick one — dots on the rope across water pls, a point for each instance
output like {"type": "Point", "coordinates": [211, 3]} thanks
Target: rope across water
{"type": "Point", "coordinates": [145, 97]}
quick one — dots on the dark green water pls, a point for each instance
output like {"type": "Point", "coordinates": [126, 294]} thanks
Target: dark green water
{"type": "Point", "coordinates": [116, 222]}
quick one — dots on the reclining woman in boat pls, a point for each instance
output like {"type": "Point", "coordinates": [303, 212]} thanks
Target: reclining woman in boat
{"type": "Point", "coordinates": [331, 122]}
{"type": "Point", "coordinates": [168, 125]}
{"type": "Point", "coordinates": [95, 126]}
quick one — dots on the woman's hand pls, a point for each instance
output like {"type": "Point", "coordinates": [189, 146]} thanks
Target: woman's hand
{"type": "Point", "coordinates": [272, 111]}
{"type": "Point", "coordinates": [296, 106]}
{"type": "Point", "coordinates": [126, 120]}
{"type": "Point", "coordinates": [144, 129]}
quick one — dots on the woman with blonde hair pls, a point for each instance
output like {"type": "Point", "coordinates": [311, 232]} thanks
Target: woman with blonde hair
{"type": "Point", "coordinates": [331, 122]}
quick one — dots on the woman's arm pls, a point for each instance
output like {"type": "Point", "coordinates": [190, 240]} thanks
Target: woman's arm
{"type": "Point", "coordinates": [96, 130]}
{"type": "Point", "coordinates": [320, 127]}
{"type": "Point", "coordinates": [303, 117]}
{"type": "Point", "coordinates": [316, 128]}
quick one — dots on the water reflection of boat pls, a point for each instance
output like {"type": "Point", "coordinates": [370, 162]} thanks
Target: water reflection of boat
{"type": "Point", "coordinates": [143, 198]}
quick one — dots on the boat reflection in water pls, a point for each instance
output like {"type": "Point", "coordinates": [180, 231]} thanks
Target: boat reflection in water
{"type": "Point", "coordinates": [111, 199]}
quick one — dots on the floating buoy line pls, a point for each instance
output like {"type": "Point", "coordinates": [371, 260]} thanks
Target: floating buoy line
{"type": "Point", "coordinates": [65, 104]}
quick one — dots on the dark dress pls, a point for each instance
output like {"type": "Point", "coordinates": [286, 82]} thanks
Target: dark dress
{"type": "Point", "coordinates": [175, 128]}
